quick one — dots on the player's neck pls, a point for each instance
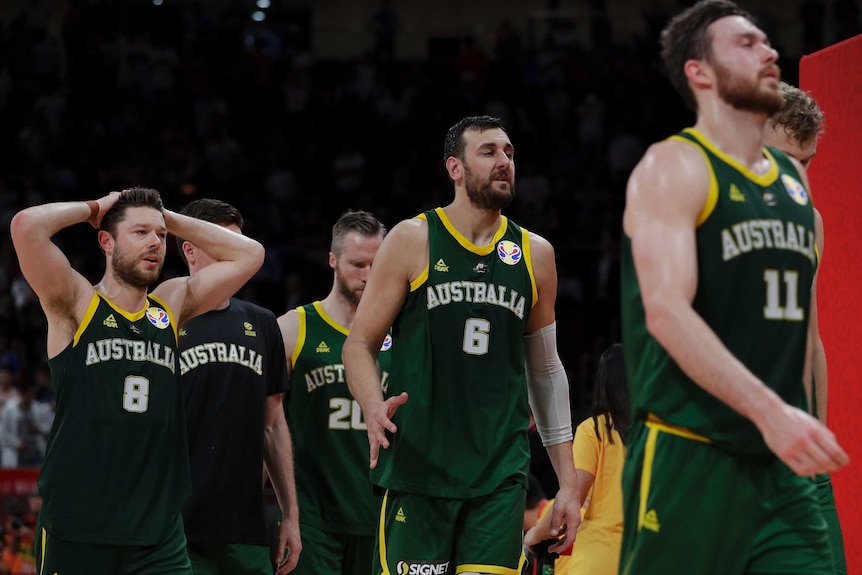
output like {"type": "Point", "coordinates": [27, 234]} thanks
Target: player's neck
{"type": "Point", "coordinates": [477, 225]}
{"type": "Point", "coordinates": [737, 133]}
{"type": "Point", "coordinates": [338, 308]}
{"type": "Point", "coordinates": [124, 296]}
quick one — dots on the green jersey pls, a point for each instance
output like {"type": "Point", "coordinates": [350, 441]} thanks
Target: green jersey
{"type": "Point", "coordinates": [756, 258]}
{"type": "Point", "coordinates": [460, 358]}
{"type": "Point", "coordinates": [116, 468]}
{"type": "Point", "coordinates": [329, 433]}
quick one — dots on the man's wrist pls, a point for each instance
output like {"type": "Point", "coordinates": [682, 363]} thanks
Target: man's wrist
{"type": "Point", "coordinates": [93, 218]}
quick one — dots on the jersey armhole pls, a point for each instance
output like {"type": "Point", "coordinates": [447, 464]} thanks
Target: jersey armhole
{"type": "Point", "coordinates": [528, 259]}
{"type": "Point", "coordinates": [712, 196]}
{"type": "Point", "coordinates": [88, 317]}
{"type": "Point", "coordinates": [300, 337]}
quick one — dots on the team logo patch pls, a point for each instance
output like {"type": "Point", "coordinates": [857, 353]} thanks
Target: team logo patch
{"type": "Point", "coordinates": [510, 253]}
{"type": "Point", "coordinates": [158, 317]}
{"type": "Point", "coordinates": [795, 190]}
{"type": "Point", "coordinates": [387, 343]}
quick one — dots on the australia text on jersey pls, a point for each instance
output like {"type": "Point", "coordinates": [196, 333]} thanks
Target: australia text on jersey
{"type": "Point", "coordinates": [220, 352]}
{"type": "Point", "coordinates": [476, 292]}
{"type": "Point", "coordinates": [121, 349]}
{"type": "Point", "coordinates": [334, 373]}
{"type": "Point", "coordinates": [749, 235]}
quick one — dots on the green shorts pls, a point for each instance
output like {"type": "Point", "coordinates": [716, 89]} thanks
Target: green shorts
{"type": "Point", "coordinates": [421, 535]}
{"type": "Point", "coordinates": [690, 507]}
{"type": "Point", "coordinates": [324, 552]}
{"type": "Point", "coordinates": [230, 559]}
{"type": "Point", "coordinates": [167, 557]}
{"type": "Point", "coordinates": [826, 498]}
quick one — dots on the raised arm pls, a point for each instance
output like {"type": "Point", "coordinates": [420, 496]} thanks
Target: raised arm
{"type": "Point", "coordinates": [548, 389]}
{"type": "Point", "coordinates": [665, 195]}
{"type": "Point", "coordinates": [401, 258]}
{"type": "Point", "coordinates": [237, 259]}
{"type": "Point", "coordinates": [63, 292]}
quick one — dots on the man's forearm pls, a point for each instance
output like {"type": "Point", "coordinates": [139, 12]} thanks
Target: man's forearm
{"type": "Point", "coordinates": [278, 456]}
{"type": "Point", "coordinates": [363, 374]}
{"type": "Point", "coordinates": [563, 462]}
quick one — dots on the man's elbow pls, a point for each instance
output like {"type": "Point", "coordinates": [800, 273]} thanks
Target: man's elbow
{"type": "Point", "coordinates": [660, 316]}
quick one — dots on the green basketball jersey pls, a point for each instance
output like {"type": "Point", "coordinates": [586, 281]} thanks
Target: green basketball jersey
{"type": "Point", "coordinates": [329, 433]}
{"type": "Point", "coordinates": [116, 469]}
{"type": "Point", "coordinates": [756, 260]}
{"type": "Point", "coordinates": [460, 358]}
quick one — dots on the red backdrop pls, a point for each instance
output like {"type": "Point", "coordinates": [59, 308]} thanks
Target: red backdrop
{"type": "Point", "coordinates": [834, 77]}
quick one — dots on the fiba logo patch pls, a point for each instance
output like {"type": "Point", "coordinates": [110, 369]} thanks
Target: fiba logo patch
{"type": "Point", "coordinates": [795, 189]}
{"type": "Point", "coordinates": [387, 343]}
{"type": "Point", "coordinates": [421, 568]}
{"type": "Point", "coordinates": [158, 317]}
{"type": "Point", "coordinates": [510, 253]}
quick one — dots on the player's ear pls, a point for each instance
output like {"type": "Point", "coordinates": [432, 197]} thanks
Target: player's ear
{"type": "Point", "coordinates": [699, 73]}
{"type": "Point", "coordinates": [333, 260]}
{"type": "Point", "coordinates": [106, 242]}
{"type": "Point", "coordinates": [189, 251]}
{"type": "Point", "coordinates": [455, 168]}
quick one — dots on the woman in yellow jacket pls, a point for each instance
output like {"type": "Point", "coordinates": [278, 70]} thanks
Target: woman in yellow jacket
{"type": "Point", "coordinates": [599, 450]}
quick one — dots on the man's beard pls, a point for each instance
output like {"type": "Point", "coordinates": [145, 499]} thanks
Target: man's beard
{"type": "Point", "coordinates": [746, 96]}
{"type": "Point", "coordinates": [346, 292]}
{"type": "Point", "coordinates": [483, 195]}
{"type": "Point", "coordinates": [126, 270]}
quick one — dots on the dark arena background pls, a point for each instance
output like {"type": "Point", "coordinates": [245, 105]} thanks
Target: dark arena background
{"type": "Point", "coordinates": [295, 111]}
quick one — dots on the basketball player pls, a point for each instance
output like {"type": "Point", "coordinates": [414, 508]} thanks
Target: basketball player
{"type": "Point", "coordinates": [469, 296]}
{"type": "Point", "coordinates": [116, 469]}
{"type": "Point", "coordinates": [718, 258]}
{"type": "Point", "coordinates": [234, 377]}
{"type": "Point", "coordinates": [794, 130]}
{"type": "Point", "coordinates": [338, 509]}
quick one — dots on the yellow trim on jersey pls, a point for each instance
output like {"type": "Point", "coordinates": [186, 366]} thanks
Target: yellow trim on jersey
{"type": "Point", "coordinates": [328, 319]}
{"type": "Point", "coordinates": [528, 259]}
{"type": "Point", "coordinates": [382, 535]}
{"type": "Point", "coordinates": [128, 315]}
{"type": "Point", "coordinates": [712, 195]}
{"type": "Point", "coordinates": [654, 422]}
{"type": "Point", "coordinates": [646, 474]}
{"type": "Point", "coordinates": [760, 179]}
{"type": "Point", "coordinates": [494, 569]}
{"type": "Point", "coordinates": [168, 311]}
{"type": "Point", "coordinates": [88, 317]}
{"type": "Point", "coordinates": [300, 336]}
{"type": "Point", "coordinates": [44, 543]}
{"type": "Point", "coordinates": [467, 244]}
{"type": "Point", "coordinates": [417, 283]}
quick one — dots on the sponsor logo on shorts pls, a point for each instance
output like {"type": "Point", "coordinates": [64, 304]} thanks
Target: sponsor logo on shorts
{"type": "Point", "coordinates": [651, 521]}
{"type": "Point", "coordinates": [422, 568]}
{"type": "Point", "coordinates": [400, 517]}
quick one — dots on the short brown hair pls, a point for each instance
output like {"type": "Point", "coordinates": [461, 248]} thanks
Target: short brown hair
{"type": "Point", "coordinates": [136, 197]}
{"type": "Point", "coordinates": [800, 116]}
{"type": "Point", "coordinates": [686, 38]}
{"type": "Point", "coordinates": [213, 211]}
{"type": "Point", "coordinates": [359, 221]}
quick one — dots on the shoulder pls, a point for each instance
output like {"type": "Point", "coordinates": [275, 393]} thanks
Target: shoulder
{"type": "Point", "coordinates": [411, 230]}
{"type": "Point", "coordinates": [540, 247]}
{"type": "Point", "coordinates": [673, 163]}
{"type": "Point", "coordinates": [289, 322]}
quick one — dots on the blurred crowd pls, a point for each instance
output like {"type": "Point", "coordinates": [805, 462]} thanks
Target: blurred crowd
{"type": "Point", "coordinates": [98, 96]}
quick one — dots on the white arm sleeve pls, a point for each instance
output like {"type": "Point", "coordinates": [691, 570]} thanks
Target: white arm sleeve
{"type": "Point", "coordinates": [548, 386]}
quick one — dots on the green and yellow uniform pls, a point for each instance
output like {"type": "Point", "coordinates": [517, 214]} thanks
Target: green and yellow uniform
{"type": "Point", "coordinates": [690, 454]}
{"type": "Point", "coordinates": [337, 506]}
{"type": "Point", "coordinates": [116, 469]}
{"type": "Point", "coordinates": [460, 457]}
